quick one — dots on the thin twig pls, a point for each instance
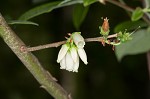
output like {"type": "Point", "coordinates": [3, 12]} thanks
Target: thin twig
{"type": "Point", "coordinates": [127, 8]}
{"type": "Point", "coordinates": [40, 47]}
{"type": "Point", "coordinates": [98, 39]}
{"type": "Point", "coordinates": [56, 44]}
{"type": "Point", "coordinates": [120, 5]}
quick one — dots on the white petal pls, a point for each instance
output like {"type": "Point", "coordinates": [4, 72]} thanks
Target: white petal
{"type": "Point", "coordinates": [63, 63]}
{"type": "Point", "coordinates": [69, 62]}
{"type": "Point", "coordinates": [62, 52]}
{"type": "Point", "coordinates": [74, 54]}
{"type": "Point", "coordinates": [78, 40]}
{"type": "Point", "coordinates": [76, 65]}
{"type": "Point", "coordinates": [82, 55]}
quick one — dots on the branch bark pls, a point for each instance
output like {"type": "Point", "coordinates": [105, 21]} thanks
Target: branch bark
{"type": "Point", "coordinates": [56, 44]}
{"type": "Point", "coordinates": [127, 8]}
{"type": "Point", "coordinates": [31, 62]}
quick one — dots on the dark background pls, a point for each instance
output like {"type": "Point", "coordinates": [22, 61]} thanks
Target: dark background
{"type": "Point", "coordinates": [103, 78]}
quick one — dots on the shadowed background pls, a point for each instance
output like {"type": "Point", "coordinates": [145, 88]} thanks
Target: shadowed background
{"type": "Point", "coordinates": [103, 78]}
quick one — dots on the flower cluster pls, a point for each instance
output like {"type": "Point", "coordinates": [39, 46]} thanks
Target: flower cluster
{"type": "Point", "coordinates": [69, 54]}
{"type": "Point", "coordinates": [123, 37]}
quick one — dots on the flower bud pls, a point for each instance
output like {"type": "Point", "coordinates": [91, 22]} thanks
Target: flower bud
{"type": "Point", "coordinates": [78, 39]}
{"type": "Point", "coordinates": [104, 30]}
{"type": "Point", "coordinates": [123, 37]}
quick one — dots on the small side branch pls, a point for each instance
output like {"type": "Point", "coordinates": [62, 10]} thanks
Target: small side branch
{"type": "Point", "coordinates": [120, 5]}
{"type": "Point", "coordinates": [40, 47]}
{"type": "Point", "coordinates": [127, 8]}
{"type": "Point", "coordinates": [56, 44]}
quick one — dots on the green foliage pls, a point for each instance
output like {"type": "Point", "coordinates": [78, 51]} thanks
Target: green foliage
{"type": "Point", "coordinates": [79, 15]}
{"type": "Point", "coordinates": [46, 8]}
{"type": "Point", "coordinates": [21, 22]}
{"type": "Point", "coordinates": [139, 44]}
{"type": "Point", "coordinates": [129, 25]}
{"type": "Point", "coordinates": [89, 2]}
{"type": "Point", "coordinates": [107, 66]}
{"type": "Point", "coordinates": [137, 14]}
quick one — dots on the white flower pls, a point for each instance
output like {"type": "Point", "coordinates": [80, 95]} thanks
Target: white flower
{"type": "Point", "coordinates": [62, 52]}
{"type": "Point", "coordinates": [76, 65]}
{"type": "Point", "coordinates": [78, 39]}
{"type": "Point", "coordinates": [69, 54]}
{"type": "Point", "coordinates": [74, 54]}
{"type": "Point", "coordinates": [63, 63]}
{"type": "Point", "coordinates": [68, 63]}
{"type": "Point", "coordinates": [82, 55]}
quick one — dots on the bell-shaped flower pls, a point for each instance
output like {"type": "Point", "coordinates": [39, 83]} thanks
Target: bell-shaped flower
{"type": "Point", "coordinates": [73, 52]}
{"type": "Point", "coordinates": [82, 55]}
{"type": "Point", "coordinates": [69, 62]}
{"type": "Point", "coordinates": [62, 52]}
{"type": "Point", "coordinates": [69, 54]}
{"type": "Point", "coordinates": [76, 65]}
{"type": "Point", "coordinates": [78, 39]}
{"type": "Point", "coordinates": [63, 63]}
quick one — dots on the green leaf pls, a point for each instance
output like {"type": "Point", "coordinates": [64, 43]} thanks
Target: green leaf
{"type": "Point", "coordinates": [89, 2]}
{"type": "Point", "coordinates": [46, 8]}
{"type": "Point", "coordinates": [129, 25]}
{"type": "Point", "coordinates": [21, 22]}
{"type": "Point", "coordinates": [139, 44]}
{"type": "Point", "coordinates": [137, 14]}
{"type": "Point", "coordinates": [79, 15]}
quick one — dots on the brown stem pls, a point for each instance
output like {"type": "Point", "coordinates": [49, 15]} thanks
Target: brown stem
{"type": "Point", "coordinates": [31, 62]}
{"type": "Point", "coordinates": [40, 47]}
{"type": "Point", "coordinates": [120, 5]}
{"type": "Point", "coordinates": [56, 44]}
{"type": "Point", "coordinates": [127, 8]}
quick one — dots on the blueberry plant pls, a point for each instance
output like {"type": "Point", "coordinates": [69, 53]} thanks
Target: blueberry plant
{"type": "Point", "coordinates": [125, 35]}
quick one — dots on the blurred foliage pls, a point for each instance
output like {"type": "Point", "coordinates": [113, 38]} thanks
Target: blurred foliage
{"type": "Point", "coordinates": [140, 44]}
{"type": "Point", "coordinates": [79, 14]}
{"type": "Point", "coordinates": [137, 14]}
{"type": "Point", "coordinates": [103, 78]}
{"type": "Point", "coordinates": [88, 2]}
{"type": "Point", "coordinates": [129, 25]}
